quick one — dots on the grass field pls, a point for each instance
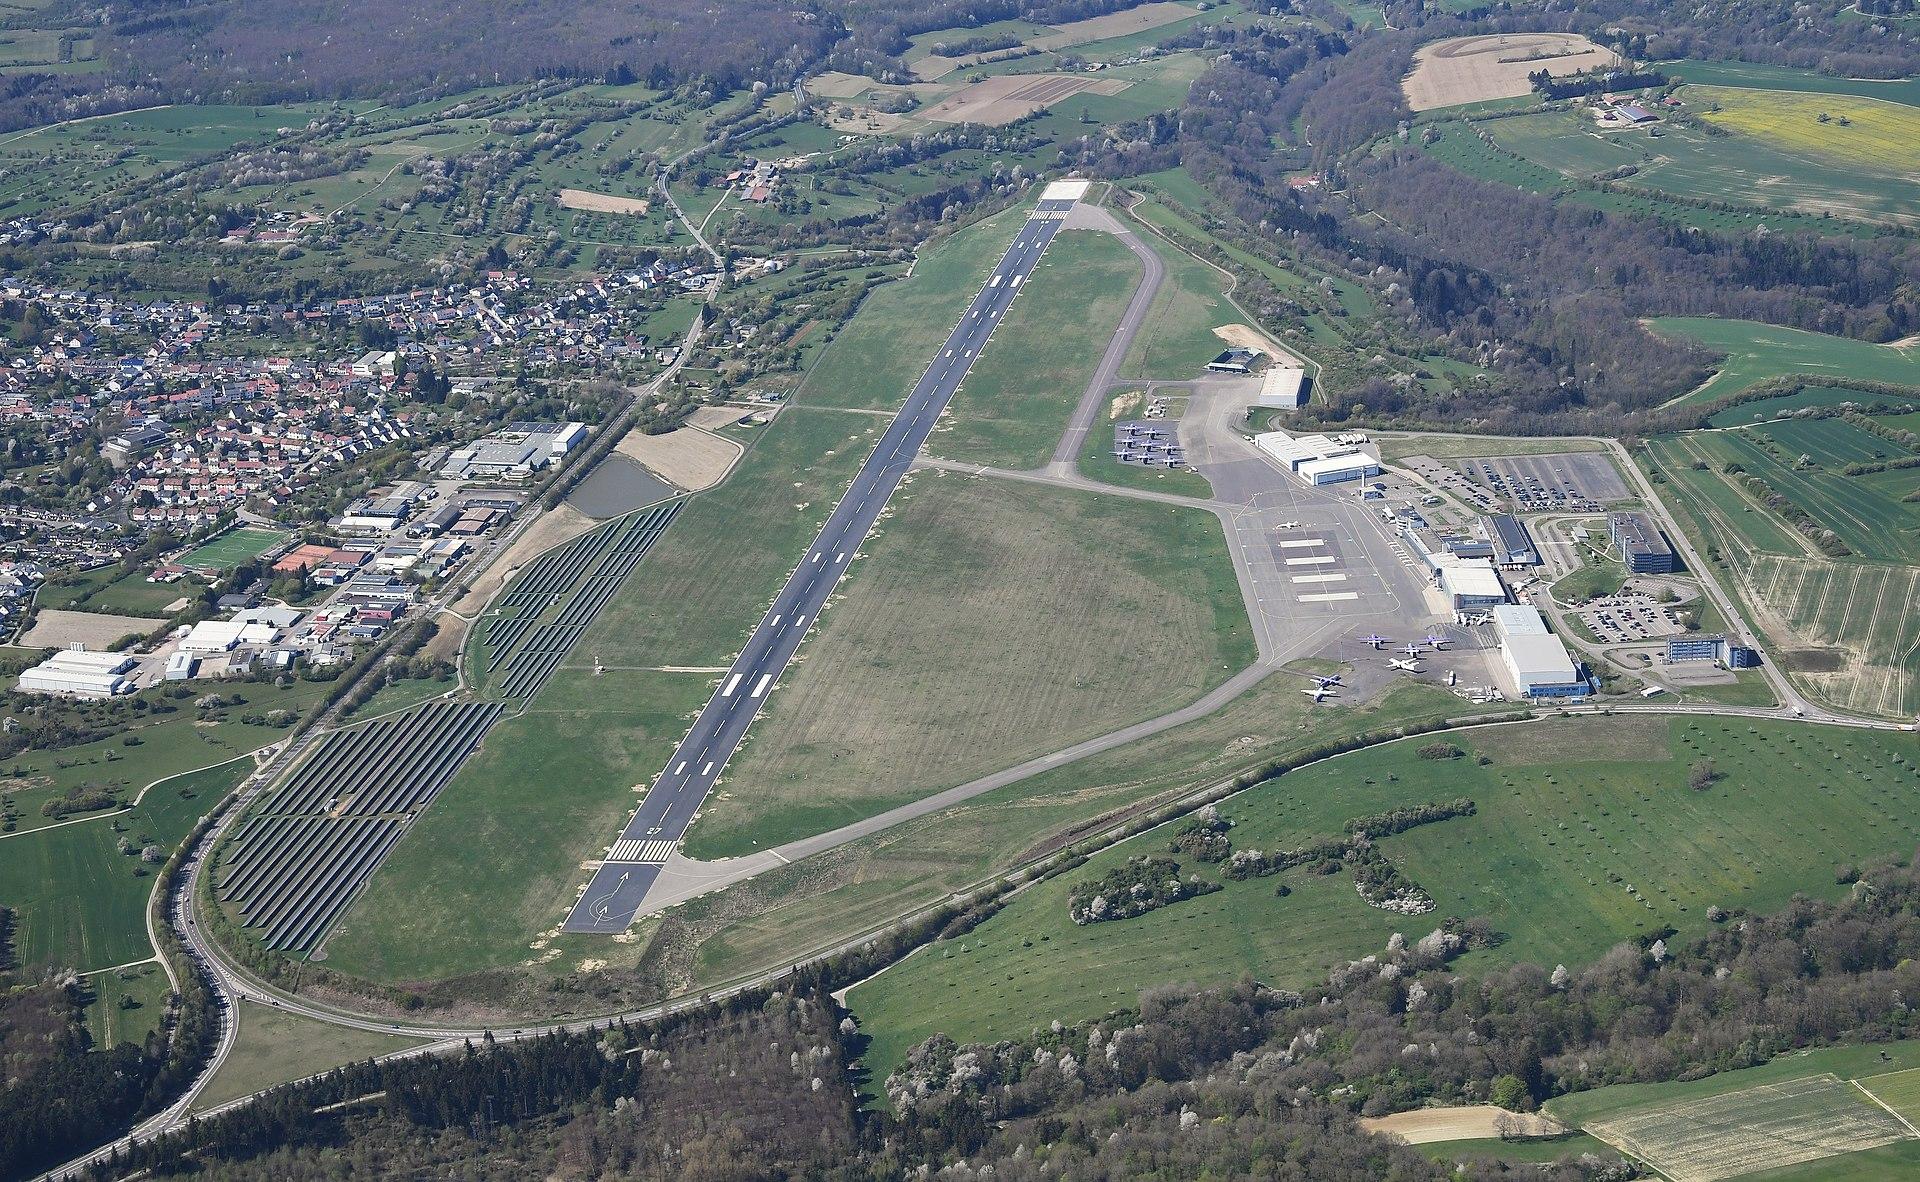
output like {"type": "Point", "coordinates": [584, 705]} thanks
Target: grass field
{"type": "Point", "coordinates": [1533, 1150]}
{"type": "Point", "coordinates": [1875, 134]}
{"type": "Point", "coordinates": [1453, 447]}
{"type": "Point", "coordinates": [1177, 339]}
{"type": "Point", "coordinates": [1869, 517]}
{"type": "Point", "coordinates": [1013, 405]}
{"type": "Point", "coordinates": [233, 548]}
{"type": "Point", "coordinates": [105, 589]}
{"type": "Point", "coordinates": [1755, 352]}
{"type": "Point", "coordinates": [1748, 74]}
{"type": "Point", "coordinates": [1573, 849]}
{"type": "Point", "coordinates": [128, 1004]}
{"type": "Point", "coordinates": [1898, 1090]}
{"type": "Point", "coordinates": [77, 899]}
{"type": "Point", "coordinates": [276, 1047]}
{"type": "Point", "coordinates": [946, 658]}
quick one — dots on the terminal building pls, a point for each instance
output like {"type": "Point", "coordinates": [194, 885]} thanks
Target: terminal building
{"type": "Point", "coordinates": [1317, 459]}
{"type": "Point", "coordinates": [1512, 545]}
{"type": "Point", "coordinates": [1717, 646]}
{"type": "Point", "coordinates": [1642, 547]}
{"type": "Point", "coordinates": [1469, 583]}
{"type": "Point", "coordinates": [1537, 660]}
{"type": "Point", "coordinates": [77, 673]}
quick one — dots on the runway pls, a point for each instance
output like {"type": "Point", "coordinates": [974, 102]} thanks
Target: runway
{"type": "Point", "coordinates": [614, 895]}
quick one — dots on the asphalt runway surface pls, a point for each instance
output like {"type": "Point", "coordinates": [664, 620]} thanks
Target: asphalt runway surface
{"type": "Point", "coordinates": [618, 887]}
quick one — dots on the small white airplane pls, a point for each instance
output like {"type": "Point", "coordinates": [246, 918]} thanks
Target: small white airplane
{"type": "Point", "coordinates": [1288, 525]}
{"type": "Point", "coordinates": [1318, 693]}
{"type": "Point", "coordinates": [1412, 650]}
{"type": "Point", "coordinates": [1375, 641]}
{"type": "Point", "coordinates": [1408, 666]}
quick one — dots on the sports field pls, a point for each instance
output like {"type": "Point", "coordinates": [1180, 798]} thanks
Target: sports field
{"type": "Point", "coordinates": [1573, 849]}
{"type": "Point", "coordinates": [946, 658]}
{"type": "Point", "coordinates": [1011, 409]}
{"type": "Point", "coordinates": [1755, 352]}
{"type": "Point", "coordinates": [1874, 134]}
{"type": "Point", "coordinates": [233, 548]}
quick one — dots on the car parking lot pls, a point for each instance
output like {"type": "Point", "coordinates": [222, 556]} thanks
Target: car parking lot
{"type": "Point", "coordinates": [1630, 616]}
{"type": "Point", "coordinates": [1581, 482]}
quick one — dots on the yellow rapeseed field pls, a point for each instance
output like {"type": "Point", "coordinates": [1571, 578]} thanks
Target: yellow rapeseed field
{"type": "Point", "coordinates": [1859, 132]}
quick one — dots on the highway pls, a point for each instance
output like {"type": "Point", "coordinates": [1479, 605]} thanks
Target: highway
{"type": "Point", "coordinates": [621, 882]}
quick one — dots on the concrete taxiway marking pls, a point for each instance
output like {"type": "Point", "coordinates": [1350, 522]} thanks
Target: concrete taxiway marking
{"type": "Point", "coordinates": [1313, 560]}
{"type": "Point", "coordinates": [1329, 596]}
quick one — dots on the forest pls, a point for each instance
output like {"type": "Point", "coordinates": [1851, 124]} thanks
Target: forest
{"type": "Point", "coordinates": [1241, 1080]}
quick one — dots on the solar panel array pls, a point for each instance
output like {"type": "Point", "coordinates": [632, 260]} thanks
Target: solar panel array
{"type": "Point", "coordinates": [535, 660]}
{"type": "Point", "coordinates": [294, 868]}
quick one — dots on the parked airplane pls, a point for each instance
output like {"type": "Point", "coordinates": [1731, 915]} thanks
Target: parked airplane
{"type": "Point", "coordinates": [1436, 641]}
{"type": "Point", "coordinates": [1375, 641]}
{"type": "Point", "coordinates": [1327, 682]}
{"type": "Point", "coordinates": [1412, 650]}
{"type": "Point", "coordinates": [1318, 693]}
{"type": "Point", "coordinates": [1288, 525]}
{"type": "Point", "coordinates": [1408, 666]}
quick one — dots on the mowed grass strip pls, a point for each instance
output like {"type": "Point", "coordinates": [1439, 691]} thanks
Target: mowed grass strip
{"type": "Point", "coordinates": [1846, 129]}
{"type": "Point", "coordinates": [1013, 405]}
{"type": "Point", "coordinates": [1566, 857]}
{"type": "Point", "coordinates": [990, 623]}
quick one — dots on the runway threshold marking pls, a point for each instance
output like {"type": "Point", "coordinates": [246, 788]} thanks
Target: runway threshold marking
{"type": "Point", "coordinates": [760, 687]}
{"type": "Point", "coordinates": [1333, 578]}
{"type": "Point", "coordinates": [1301, 543]}
{"type": "Point", "coordinates": [1313, 560]}
{"type": "Point", "coordinates": [733, 683]}
{"type": "Point", "coordinates": [1329, 596]}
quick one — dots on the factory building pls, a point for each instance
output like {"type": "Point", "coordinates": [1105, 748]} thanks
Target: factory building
{"type": "Point", "coordinates": [78, 673]}
{"type": "Point", "coordinates": [1537, 660]}
{"type": "Point", "coordinates": [1642, 547]}
{"type": "Point", "coordinates": [1711, 647]}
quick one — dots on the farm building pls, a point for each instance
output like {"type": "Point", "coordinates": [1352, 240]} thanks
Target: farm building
{"type": "Point", "coordinates": [77, 673]}
{"type": "Point", "coordinates": [1643, 548]}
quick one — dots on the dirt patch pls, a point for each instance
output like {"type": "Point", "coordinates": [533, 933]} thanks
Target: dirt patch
{"type": "Point", "coordinates": [1812, 660]}
{"type": "Point", "coordinates": [1424, 1126]}
{"type": "Point", "coordinates": [1124, 404]}
{"type": "Point", "coordinates": [998, 101]}
{"type": "Point", "coordinates": [557, 525]}
{"type": "Point", "coordinates": [1572, 740]}
{"type": "Point", "coordinates": [600, 202]}
{"type": "Point", "coordinates": [1496, 65]}
{"type": "Point", "coordinates": [58, 629]}
{"type": "Point", "coordinates": [689, 458]}
{"type": "Point", "coordinates": [835, 84]}
{"type": "Point", "coordinates": [712, 418]}
{"type": "Point", "coordinates": [1245, 336]}
{"type": "Point", "coordinates": [1113, 24]}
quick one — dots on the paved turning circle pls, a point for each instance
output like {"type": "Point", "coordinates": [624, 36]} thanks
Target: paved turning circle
{"type": "Point", "coordinates": [614, 895]}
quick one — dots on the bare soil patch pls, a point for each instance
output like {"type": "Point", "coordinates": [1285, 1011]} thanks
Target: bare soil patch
{"type": "Point", "coordinates": [688, 458]}
{"type": "Point", "coordinates": [1496, 65]}
{"type": "Point", "coordinates": [1245, 336]}
{"type": "Point", "coordinates": [58, 629]}
{"type": "Point", "coordinates": [1113, 24]}
{"type": "Point", "coordinates": [586, 199]}
{"type": "Point", "coordinates": [999, 101]}
{"type": "Point", "coordinates": [712, 418]}
{"type": "Point", "coordinates": [1465, 1122]}
{"type": "Point", "coordinates": [560, 524]}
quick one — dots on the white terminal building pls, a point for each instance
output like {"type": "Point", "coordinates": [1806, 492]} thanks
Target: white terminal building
{"type": "Point", "coordinates": [1317, 459]}
{"type": "Point", "coordinates": [78, 673]}
{"type": "Point", "coordinates": [1536, 659]}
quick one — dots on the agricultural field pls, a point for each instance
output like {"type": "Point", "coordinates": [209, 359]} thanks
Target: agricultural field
{"type": "Point", "coordinates": [1574, 846]}
{"type": "Point", "coordinates": [108, 589]}
{"type": "Point", "coordinates": [1011, 409]}
{"type": "Point", "coordinates": [1848, 629]}
{"type": "Point", "coordinates": [1755, 352]}
{"type": "Point", "coordinates": [1692, 164]}
{"type": "Point", "coordinates": [81, 903]}
{"type": "Point", "coordinates": [1744, 1120]}
{"type": "Point", "coordinates": [126, 1004]}
{"type": "Point", "coordinates": [1495, 66]}
{"type": "Point", "coordinates": [1876, 135]}
{"type": "Point", "coordinates": [945, 659]}
{"type": "Point", "coordinates": [1776, 78]}
{"type": "Point", "coordinates": [232, 548]}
